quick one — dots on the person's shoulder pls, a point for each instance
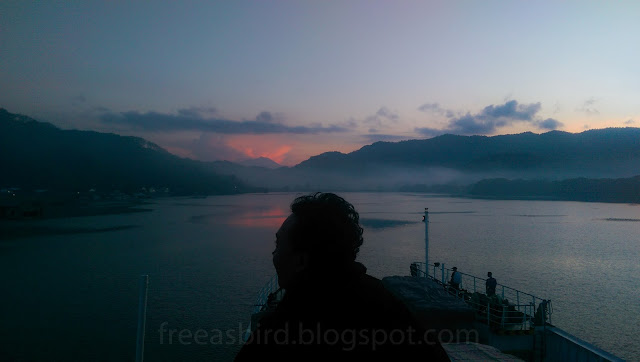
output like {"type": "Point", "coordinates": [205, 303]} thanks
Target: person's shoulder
{"type": "Point", "coordinates": [372, 285]}
{"type": "Point", "coordinates": [377, 296]}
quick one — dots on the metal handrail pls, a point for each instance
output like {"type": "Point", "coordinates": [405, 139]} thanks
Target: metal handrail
{"type": "Point", "coordinates": [262, 300]}
{"type": "Point", "coordinates": [524, 303]}
{"type": "Point", "coordinates": [263, 296]}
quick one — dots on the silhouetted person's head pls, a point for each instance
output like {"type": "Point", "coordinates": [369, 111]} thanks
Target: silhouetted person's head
{"type": "Point", "coordinates": [321, 237]}
{"type": "Point", "coordinates": [489, 274]}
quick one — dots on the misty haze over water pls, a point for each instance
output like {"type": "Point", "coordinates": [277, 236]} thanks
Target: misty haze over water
{"type": "Point", "coordinates": [74, 295]}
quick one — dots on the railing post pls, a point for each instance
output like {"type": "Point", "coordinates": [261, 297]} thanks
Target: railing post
{"type": "Point", "coordinates": [518, 299]}
{"type": "Point", "coordinates": [474, 284]}
{"type": "Point", "coordinates": [442, 273]}
{"type": "Point", "coordinates": [502, 319]}
{"type": "Point", "coordinates": [489, 314]}
{"type": "Point", "coordinates": [503, 292]}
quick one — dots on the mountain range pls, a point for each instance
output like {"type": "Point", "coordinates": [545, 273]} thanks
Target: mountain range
{"type": "Point", "coordinates": [40, 155]}
{"type": "Point", "coordinates": [460, 160]}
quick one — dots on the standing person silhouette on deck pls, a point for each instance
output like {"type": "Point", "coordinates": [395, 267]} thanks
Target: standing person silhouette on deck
{"type": "Point", "coordinates": [456, 279]}
{"type": "Point", "coordinates": [491, 285]}
{"type": "Point", "coordinates": [331, 307]}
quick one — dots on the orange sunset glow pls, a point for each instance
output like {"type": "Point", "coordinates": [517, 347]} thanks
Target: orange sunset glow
{"type": "Point", "coordinates": [254, 146]}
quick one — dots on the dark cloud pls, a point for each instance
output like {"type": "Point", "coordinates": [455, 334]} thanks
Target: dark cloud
{"type": "Point", "coordinates": [431, 107]}
{"type": "Point", "coordinates": [383, 116]}
{"type": "Point", "coordinates": [197, 112]}
{"type": "Point", "coordinates": [510, 111]}
{"type": "Point", "coordinates": [588, 107]}
{"type": "Point", "coordinates": [471, 125]}
{"type": "Point", "coordinates": [383, 137]}
{"type": "Point", "coordinates": [350, 123]}
{"type": "Point", "coordinates": [190, 121]}
{"type": "Point", "coordinates": [385, 112]}
{"type": "Point", "coordinates": [435, 108]}
{"type": "Point", "coordinates": [265, 117]}
{"type": "Point", "coordinates": [491, 118]}
{"type": "Point", "coordinates": [550, 124]}
{"type": "Point", "coordinates": [429, 132]}
{"type": "Point", "coordinates": [631, 121]}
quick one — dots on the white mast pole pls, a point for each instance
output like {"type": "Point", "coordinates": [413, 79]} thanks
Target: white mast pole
{"type": "Point", "coordinates": [426, 241]}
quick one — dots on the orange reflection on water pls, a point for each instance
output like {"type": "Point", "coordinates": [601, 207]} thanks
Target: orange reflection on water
{"type": "Point", "coordinates": [269, 218]}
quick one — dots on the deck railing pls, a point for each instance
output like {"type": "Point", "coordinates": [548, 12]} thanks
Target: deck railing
{"type": "Point", "coordinates": [511, 308]}
{"type": "Point", "coordinates": [263, 296]}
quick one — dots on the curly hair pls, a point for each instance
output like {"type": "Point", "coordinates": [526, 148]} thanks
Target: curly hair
{"type": "Point", "coordinates": [328, 228]}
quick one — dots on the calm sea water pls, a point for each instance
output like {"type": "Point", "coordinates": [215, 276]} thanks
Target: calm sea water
{"type": "Point", "coordinates": [75, 296]}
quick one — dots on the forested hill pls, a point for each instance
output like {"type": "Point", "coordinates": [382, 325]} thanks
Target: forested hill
{"type": "Point", "coordinates": [39, 155]}
{"type": "Point", "coordinates": [611, 152]}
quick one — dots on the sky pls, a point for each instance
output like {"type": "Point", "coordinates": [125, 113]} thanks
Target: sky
{"type": "Point", "coordinates": [291, 79]}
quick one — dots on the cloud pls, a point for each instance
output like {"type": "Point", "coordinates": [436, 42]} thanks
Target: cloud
{"type": "Point", "coordinates": [197, 112]}
{"type": "Point", "coordinates": [429, 132]}
{"type": "Point", "coordinates": [631, 121]}
{"type": "Point", "coordinates": [550, 124]}
{"type": "Point", "coordinates": [431, 107]}
{"type": "Point", "coordinates": [383, 137]}
{"type": "Point", "coordinates": [435, 108]}
{"type": "Point", "coordinates": [510, 110]}
{"type": "Point", "coordinates": [491, 118]}
{"type": "Point", "coordinates": [265, 117]}
{"type": "Point", "coordinates": [381, 118]}
{"type": "Point", "coordinates": [588, 107]}
{"type": "Point", "coordinates": [193, 120]}
{"type": "Point", "coordinates": [470, 125]}
{"type": "Point", "coordinates": [385, 112]}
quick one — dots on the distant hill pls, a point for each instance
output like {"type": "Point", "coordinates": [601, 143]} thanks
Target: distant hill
{"type": "Point", "coordinates": [553, 149]}
{"type": "Point", "coordinates": [39, 155]}
{"type": "Point", "coordinates": [625, 190]}
{"type": "Point", "coordinates": [611, 152]}
{"type": "Point", "coordinates": [449, 163]}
